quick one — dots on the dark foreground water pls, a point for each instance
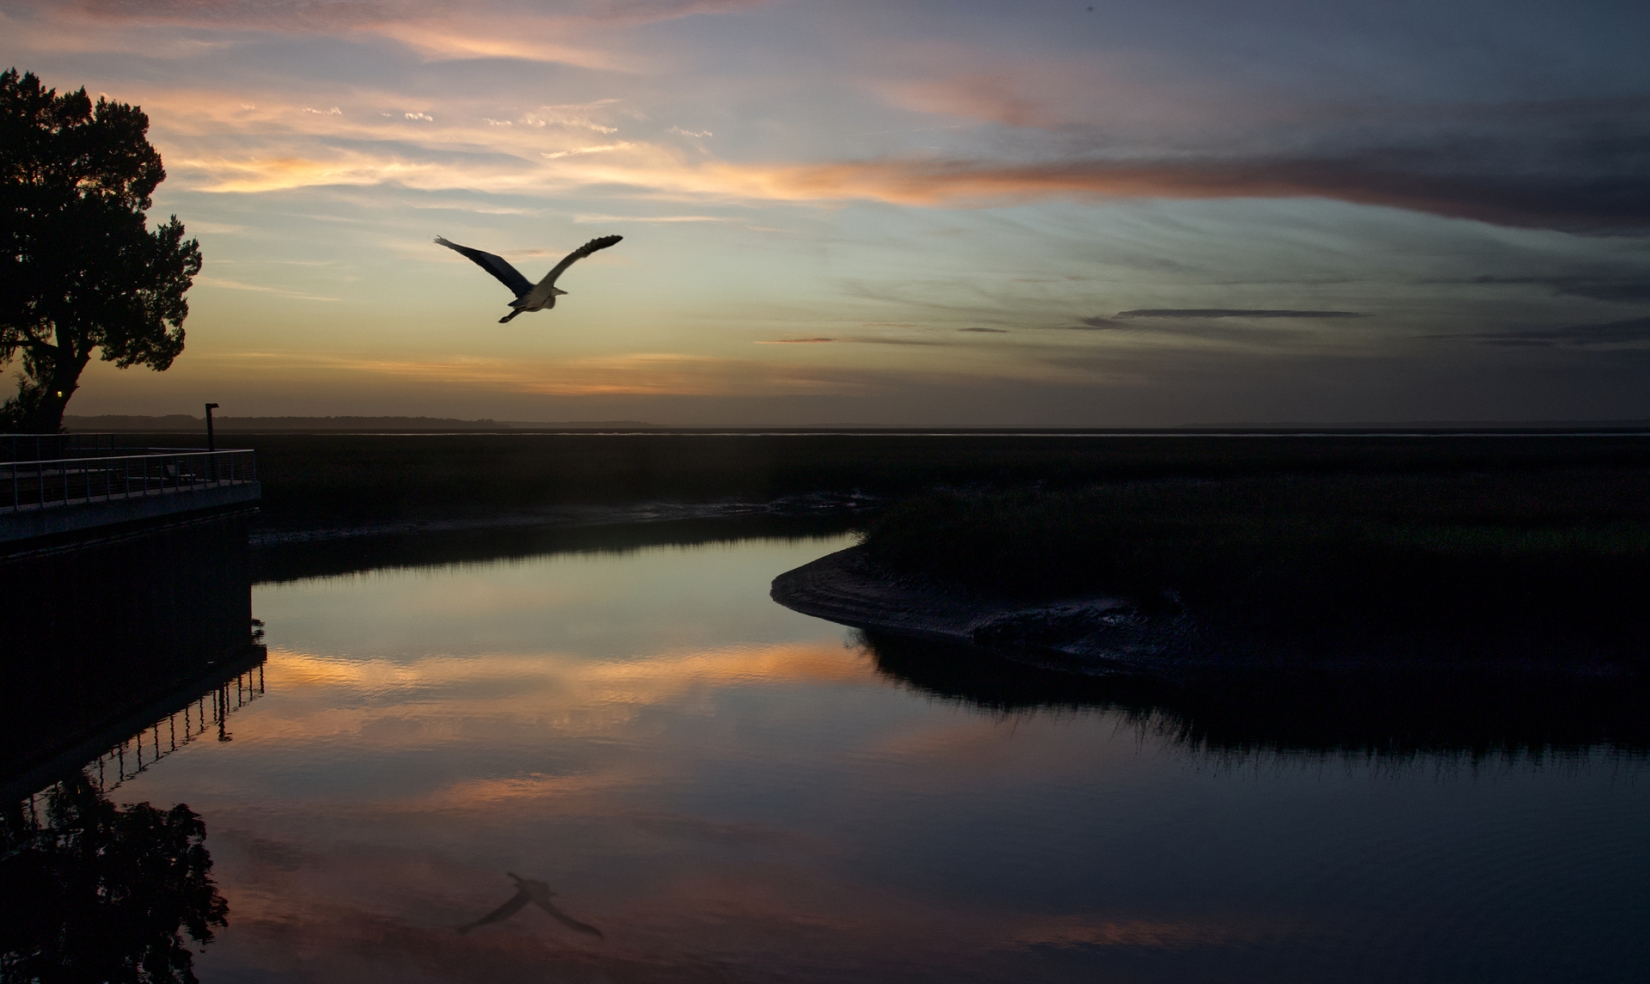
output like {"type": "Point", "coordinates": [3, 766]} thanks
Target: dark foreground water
{"type": "Point", "coordinates": [729, 791]}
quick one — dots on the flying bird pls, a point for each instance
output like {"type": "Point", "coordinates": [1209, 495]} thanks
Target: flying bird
{"type": "Point", "coordinates": [536, 892]}
{"type": "Point", "coordinates": [528, 296]}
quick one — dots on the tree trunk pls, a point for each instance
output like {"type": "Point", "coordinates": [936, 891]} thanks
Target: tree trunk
{"type": "Point", "coordinates": [41, 405]}
{"type": "Point", "coordinates": [46, 416]}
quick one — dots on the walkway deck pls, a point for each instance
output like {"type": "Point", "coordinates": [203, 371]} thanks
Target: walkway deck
{"type": "Point", "coordinates": [82, 494]}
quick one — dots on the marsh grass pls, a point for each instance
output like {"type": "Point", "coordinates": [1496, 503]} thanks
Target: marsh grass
{"type": "Point", "coordinates": [322, 480]}
{"type": "Point", "coordinates": [1463, 553]}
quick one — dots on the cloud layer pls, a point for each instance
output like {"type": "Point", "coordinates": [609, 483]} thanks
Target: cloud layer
{"type": "Point", "coordinates": [837, 200]}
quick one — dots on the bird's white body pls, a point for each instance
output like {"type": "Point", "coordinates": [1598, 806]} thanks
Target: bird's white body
{"type": "Point", "coordinates": [542, 296]}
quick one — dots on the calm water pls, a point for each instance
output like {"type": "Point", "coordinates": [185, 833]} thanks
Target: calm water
{"type": "Point", "coordinates": [728, 790]}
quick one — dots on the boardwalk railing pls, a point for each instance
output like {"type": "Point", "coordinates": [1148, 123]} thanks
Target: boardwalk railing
{"type": "Point", "coordinates": [33, 485]}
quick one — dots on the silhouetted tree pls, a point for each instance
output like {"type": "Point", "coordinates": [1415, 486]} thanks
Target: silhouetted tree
{"type": "Point", "coordinates": [80, 269]}
{"type": "Point", "coordinates": [93, 892]}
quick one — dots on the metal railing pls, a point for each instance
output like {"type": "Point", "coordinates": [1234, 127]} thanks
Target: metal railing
{"type": "Point", "coordinates": [31, 485]}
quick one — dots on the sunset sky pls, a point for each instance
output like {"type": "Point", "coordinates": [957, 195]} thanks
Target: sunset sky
{"type": "Point", "coordinates": [911, 213]}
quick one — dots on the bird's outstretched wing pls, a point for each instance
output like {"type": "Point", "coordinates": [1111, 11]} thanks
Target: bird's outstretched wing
{"type": "Point", "coordinates": [567, 920]}
{"type": "Point", "coordinates": [503, 912]}
{"type": "Point", "coordinates": [540, 893]}
{"type": "Point", "coordinates": [578, 254]}
{"type": "Point", "coordinates": [499, 267]}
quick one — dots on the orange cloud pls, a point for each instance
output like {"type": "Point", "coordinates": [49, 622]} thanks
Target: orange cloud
{"type": "Point", "coordinates": [657, 171]}
{"type": "Point", "coordinates": [505, 33]}
{"type": "Point", "coordinates": [464, 148]}
{"type": "Point", "coordinates": [439, 39]}
{"type": "Point", "coordinates": [971, 183]}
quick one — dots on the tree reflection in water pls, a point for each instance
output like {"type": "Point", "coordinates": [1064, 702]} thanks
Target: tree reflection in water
{"type": "Point", "coordinates": [92, 892]}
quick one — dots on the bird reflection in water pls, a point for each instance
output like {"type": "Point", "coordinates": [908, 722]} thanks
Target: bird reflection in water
{"type": "Point", "coordinates": [538, 893]}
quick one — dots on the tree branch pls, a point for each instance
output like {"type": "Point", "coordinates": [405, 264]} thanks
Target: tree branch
{"type": "Point", "coordinates": [35, 345]}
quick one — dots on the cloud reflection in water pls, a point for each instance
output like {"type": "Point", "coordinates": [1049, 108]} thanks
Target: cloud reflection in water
{"type": "Point", "coordinates": [734, 791]}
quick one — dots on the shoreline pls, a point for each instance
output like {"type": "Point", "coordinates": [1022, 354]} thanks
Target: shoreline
{"type": "Point", "coordinates": [1099, 635]}
{"type": "Point", "coordinates": [1095, 635]}
{"type": "Point", "coordinates": [573, 517]}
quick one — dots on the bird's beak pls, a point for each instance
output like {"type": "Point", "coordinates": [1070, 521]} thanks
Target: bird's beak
{"type": "Point", "coordinates": [557, 291]}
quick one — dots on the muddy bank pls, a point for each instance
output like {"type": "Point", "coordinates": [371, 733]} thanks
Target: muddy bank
{"type": "Point", "coordinates": [1094, 634]}
{"type": "Point", "coordinates": [1101, 635]}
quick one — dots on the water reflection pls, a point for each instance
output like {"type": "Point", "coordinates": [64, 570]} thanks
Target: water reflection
{"type": "Point", "coordinates": [727, 790]}
{"type": "Point", "coordinates": [294, 560]}
{"type": "Point", "coordinates": [1360, 714]}
{"type": "Point", "coordinates": [197, 713]}
{"type": "Point", "coordinates": [94, 892]}
{"type": "Point", "coordinates": [91, 891]}
{"type": "Point", "coordinates": [538, 893]}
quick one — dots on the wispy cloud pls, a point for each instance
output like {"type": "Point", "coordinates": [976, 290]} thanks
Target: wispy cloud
{"type": "Point", "coordinates": [597, 149]}
{"type": "Point", "coordinates": [1228, 313]}
{"type": "Point", "coordinates": [794, 341]}
{"type": "Point", "coordinates": [587, 219]}
{"type": "Point", "coordinates": [892, 340]}
{"type": "Point", "coordinates": [299, 295]}
{"type": "Point", "coordinates": [1624, 290]}
{"type": "Point", "coordinates": [1575, 202]}
{"type": "Point", "coordinates": [214, 228]}
{"type": "Point", "coordinates": [1633, 332]}
{"type": "Point", "coordinates": [576, 117]}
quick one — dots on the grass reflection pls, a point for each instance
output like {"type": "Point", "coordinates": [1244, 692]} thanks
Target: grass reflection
{"type": "Point", "coordinates": [1389, 714]}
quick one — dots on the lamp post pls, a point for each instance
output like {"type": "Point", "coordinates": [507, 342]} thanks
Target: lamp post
{"type": "Point", "coordinates": [210, 444]}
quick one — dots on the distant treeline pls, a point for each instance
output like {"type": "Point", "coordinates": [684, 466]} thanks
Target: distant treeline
{"type": "Point", "coordinates": [182, 422]}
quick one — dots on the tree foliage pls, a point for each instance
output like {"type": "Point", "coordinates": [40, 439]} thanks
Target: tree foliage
{"type": "Point", "coordinates": [80, 270]}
